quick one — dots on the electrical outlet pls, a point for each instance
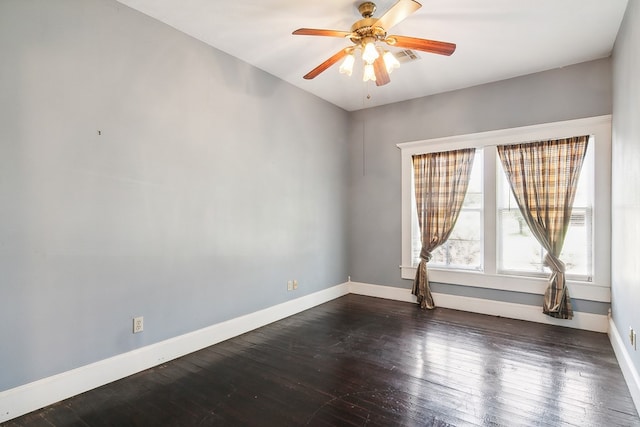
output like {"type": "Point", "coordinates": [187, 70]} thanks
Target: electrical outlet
{"type": "Point", "coordinates": [289, 285]}
{"type": "Point", "coordinates": [138, 324]}
{"type": "Point", "coordinates": [295, 284]}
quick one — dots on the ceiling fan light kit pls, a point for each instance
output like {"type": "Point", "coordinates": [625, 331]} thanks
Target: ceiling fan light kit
{"type": "Point", "coordinates": [365, 33]}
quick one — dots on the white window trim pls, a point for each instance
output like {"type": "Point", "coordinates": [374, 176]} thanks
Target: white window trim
{"type": "Point", "coordinates": [600, 127]}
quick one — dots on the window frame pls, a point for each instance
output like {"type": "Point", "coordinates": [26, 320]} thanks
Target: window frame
{"type": "Point", "coordinates": [599, 289]}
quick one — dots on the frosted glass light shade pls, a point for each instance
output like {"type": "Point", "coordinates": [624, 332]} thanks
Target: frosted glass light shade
{"type": "Point", "coordinates": [370, 53]}
{"type": "Point", "coordinates": [347, 65]}
{"type": "Point", "coordinates": [369, 74]}
{"type": "Point", "coordinates": [390, 62]}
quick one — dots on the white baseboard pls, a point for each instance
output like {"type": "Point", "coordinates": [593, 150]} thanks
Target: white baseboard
{"type": "Point", "coordinates": [30, 397]}
{"type": "Point", "coordinates": [387, 292]}
{"type": "Point", "coordinates": [587, 321]}
{"type": "Point", "coordinates": [626, 365]}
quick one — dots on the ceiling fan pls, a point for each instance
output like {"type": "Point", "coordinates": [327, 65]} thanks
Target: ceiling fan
{"type": "Point", "coordinates": [364, 34]}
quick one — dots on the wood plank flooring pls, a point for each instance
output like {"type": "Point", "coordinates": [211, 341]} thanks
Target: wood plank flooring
{"type": "Point", "coordinates": [362, 361]}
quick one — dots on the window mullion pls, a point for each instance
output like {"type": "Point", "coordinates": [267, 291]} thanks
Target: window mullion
{"type": "Point", "coordinates": [489, 211]}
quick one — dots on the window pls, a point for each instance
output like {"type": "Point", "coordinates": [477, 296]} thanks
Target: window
{"type": "Point", "coordinates": [519, 253]}
{"type": "Point", "coordinates": [491, 245]}
{"type": "Point", "coordinates": [463, 249]}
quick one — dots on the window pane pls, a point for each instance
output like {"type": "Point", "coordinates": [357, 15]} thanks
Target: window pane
{"type": "Point", "coordinates": [576, 252]}
{"type": "Point", "coordinates": [520, 250]}
{"type": "Point", "coordinates": [463, 248]}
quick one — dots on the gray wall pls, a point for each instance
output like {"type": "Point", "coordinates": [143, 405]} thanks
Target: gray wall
{"type": "Point", "coordinates": [212, 184]}
{"type": "Point", "coordinates": [577, 91]}
{"type": "Point", "coordinates": [626, 178]}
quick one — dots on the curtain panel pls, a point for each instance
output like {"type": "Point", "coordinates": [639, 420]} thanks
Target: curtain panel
{"type": "Point", "coordinates": [440, 181]}
{"type": "Point", "coordinates": [543, 177]}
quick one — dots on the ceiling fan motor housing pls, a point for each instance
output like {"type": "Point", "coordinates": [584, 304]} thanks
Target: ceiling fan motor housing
{"type": "Point", "coordinates": [365, 29]}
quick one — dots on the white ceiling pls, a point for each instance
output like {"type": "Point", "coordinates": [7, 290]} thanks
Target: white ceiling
{"type": "Point", "coordinates": [496, 39]}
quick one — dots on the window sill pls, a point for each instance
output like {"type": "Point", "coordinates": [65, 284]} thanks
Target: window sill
{"type": "Point", "coordinates": [590, 291]}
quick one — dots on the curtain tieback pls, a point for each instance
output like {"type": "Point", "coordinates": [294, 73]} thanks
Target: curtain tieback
{"type": "Point", "coordinates": [554, 263]}
{"type": "Point", "coordinates": [425, 255]}
{"type": "Point", "coordinates": [557, 268]}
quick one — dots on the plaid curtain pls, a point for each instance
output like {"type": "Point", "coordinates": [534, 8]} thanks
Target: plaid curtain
{"type": "Point", "coordinates": [440, 181]}
{"type": "Point", "coordinates": [543, 177]}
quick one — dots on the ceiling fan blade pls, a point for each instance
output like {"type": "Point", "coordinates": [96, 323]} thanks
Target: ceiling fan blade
{"type": "Point", "coordinates": [326, 64]}
{"type": "Point", "coordinates": [431, 46]}
{"type": "Point", "coordinates": [380, 69]}
{"type": "Point", "coordinates": [397, 13]}
{"type": "Point", "coordinates": [318, 32]}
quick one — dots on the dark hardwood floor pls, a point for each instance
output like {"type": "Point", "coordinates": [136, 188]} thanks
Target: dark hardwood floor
{"type": "Point", "coordinates": [359, 361]}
